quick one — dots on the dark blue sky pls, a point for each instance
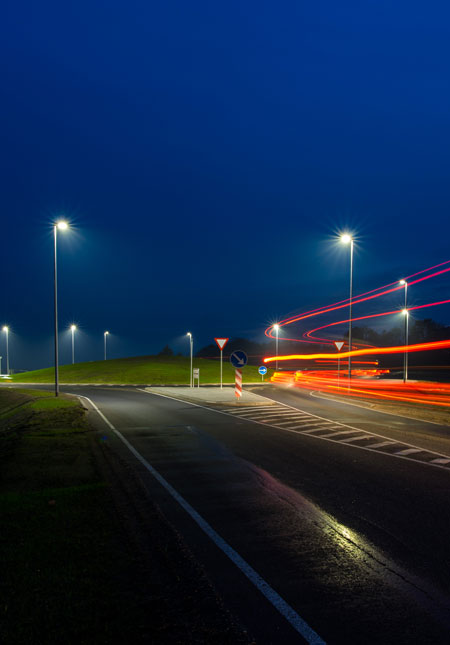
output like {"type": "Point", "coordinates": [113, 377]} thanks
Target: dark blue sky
{"type": "Point", "coordinates": [206, 153]}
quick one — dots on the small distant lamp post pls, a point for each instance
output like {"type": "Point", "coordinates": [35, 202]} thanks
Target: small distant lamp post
{"type": "Point", "coordinates": [191, 347]}
{"type": "Point", "coordinates": [73, 329]}
{"type": "Point", "coordinates": [276, 329]}
{"type": "Point", "coordinates": [347, 239]}
{"type": "Point", "coordinates": [104, 337]}
{"type": "Point", "coordinates": [59, 226]}
{"type": "Point", "coordinates": [6, 330]}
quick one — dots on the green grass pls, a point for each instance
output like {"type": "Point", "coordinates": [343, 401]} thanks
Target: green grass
{"type": "Point", "coordinates": [151, 370]}
{"type": "Point", "coordinates": [63, 561]}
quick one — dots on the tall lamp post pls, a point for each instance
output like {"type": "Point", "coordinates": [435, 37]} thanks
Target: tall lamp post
{"type": "Point", "coordinates": [104, 337]}
{"type": "Point", "coordinates": [346, 239]}
{"type": "Point", "coordinates": [73, 329]}
{"type": "Point", "coordinates": [406, 314]}
{"type": "Point", "coordinates": [276, 329]}
{"type": "Point", "coordinates": [59, 226]}
{"type": "Point", "coordinates": [6, 330]}
{"type": "Point", "coordinates": [191, 347]}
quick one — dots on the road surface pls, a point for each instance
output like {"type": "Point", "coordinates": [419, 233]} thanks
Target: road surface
{"type": "Point", "coordinates": [350, 535]}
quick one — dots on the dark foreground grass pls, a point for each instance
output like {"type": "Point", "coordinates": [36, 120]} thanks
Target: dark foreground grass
{"type": "Point", "coordinates": [61, 561]}
{"type": "Point", "coordinates": [70, 572]}
{"type": "Point", "coordinates": [151, 370]}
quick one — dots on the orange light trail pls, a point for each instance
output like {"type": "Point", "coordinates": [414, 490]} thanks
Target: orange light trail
{"type": "Point", "coordinates": [436, 394]}
{"type": "Point", "coordinates": [420, 347]}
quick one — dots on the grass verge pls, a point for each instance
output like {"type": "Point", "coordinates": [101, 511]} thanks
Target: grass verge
{"type": "Point", "coordinates": [70, 572]}
{"type": "Point", "coordinates": [151, 370]}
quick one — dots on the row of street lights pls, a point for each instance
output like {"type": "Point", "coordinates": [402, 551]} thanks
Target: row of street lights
{"type": "Point", "coordinates": [73, 329]}
{"type": "Point", "coordinates": [347, 239]}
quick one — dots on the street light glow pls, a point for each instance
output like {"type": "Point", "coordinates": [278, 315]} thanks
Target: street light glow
{"type": "Point", "coordinates": [62, 225]}
{"type": "Point", "coordinates": [189, 334]}
{"type": "Point", "coordinates": [5, 328]}
{"type": "Point", "coordinates": [405, 312]}
{"type": "Point", "coordinates": [106, 333]}
{"type": "Point", "coordinates": [402, 282]}
{"type": "Point", "coordinates": [73, 327]}
{"type": "Point", "coordinates": [276, 327]}
{"type": "Point", "coordinates": [346, 238]}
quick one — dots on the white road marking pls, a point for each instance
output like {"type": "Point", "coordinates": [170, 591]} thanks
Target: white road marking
{"type": "Point", "coordinates": [336, 434]}
{"type": "Point", "coordinates": [309, 433]}
{"type": "Point", "coordinates": [409, 451]}
{"type": "Point", "coordinates": [360, 438]}
{"type": "Point", "coordinates": [440, 461]}
{"type": "Point", "coordinates": [295, 620]}
{"type": "Point", "coordinates": [374, 446]}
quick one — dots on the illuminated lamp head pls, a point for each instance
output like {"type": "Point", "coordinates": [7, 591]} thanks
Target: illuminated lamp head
{"type": "Point", "coordinates": [402, 282]}
{"type": "Point", "coordinates": [73, 327]}
{"type": "Point", "coordinates": [62, 225]}
{"type": "Point", "coordinates": [6, 328]}
{"type": "Point", "coordinates": [346, 238]}
{"type": "Point", "coordinates": [405, 312]}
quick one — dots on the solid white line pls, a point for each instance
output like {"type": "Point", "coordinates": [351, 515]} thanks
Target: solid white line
{"type": "Point", "coordinates": [300, 625]}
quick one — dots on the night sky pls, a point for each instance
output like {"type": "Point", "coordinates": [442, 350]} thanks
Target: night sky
{"type": "Point", "coordinates": [206, 155]}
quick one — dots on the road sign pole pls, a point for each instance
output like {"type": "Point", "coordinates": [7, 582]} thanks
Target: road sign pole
{"type": "Point", "coordinates": [221, 358]}
{"type": "Point", "coordinates": [339, 369]}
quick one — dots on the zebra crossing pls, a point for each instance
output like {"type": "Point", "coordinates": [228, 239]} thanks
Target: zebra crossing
{"type": "Point", "coordinates": [289, 419]}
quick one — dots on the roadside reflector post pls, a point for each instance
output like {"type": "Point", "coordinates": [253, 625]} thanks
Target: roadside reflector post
{"type": "Point", "coordinates": [238, 359]}
{"type": "Point", "coordinates": [238, 384]}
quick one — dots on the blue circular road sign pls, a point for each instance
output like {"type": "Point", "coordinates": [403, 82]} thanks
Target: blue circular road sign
{"type": "Point", "coordinates": [262, 370]}
{"type": "Point", "coordinates": [238, 358]}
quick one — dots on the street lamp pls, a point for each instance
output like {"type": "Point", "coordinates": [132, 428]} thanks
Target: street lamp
{"type": "Point", "coordinates": [6, 330]}
{"type": "Point", "coordinates": [104, 336]}
{"type": "Point", "coordinates": [61, 225]}
{"type": "Point", "coordinates": [346, 239]}
{"type": "Point", "coordinates": [73, 329]}
{"type": "Point", "coordinates": [191, 346]}
{"type": "Point", "coordinates": [276, 329]}
{"type": "Point", "coordinates": [406, 314]}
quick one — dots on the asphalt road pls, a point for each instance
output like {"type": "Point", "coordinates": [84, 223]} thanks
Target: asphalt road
{"type": "Point", "coordinates": [354, 538]}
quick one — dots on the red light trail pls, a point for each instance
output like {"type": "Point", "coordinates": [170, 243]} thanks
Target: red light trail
{"type": "Point", "coordinates": [372, 388]}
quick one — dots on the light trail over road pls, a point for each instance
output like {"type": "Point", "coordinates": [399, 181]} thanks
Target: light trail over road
{"type": "Point", "coordinates": [331, 381]}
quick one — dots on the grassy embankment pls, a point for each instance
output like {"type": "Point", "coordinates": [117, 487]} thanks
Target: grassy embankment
{"type": "Point", "coordinates": [151, 370]}
{"type": "Point", "coordinates": [70, 572]}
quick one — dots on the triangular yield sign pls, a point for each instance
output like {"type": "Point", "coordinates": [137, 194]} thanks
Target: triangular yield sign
{"type": "Point", "coordinates": [221, 342]}
{"type": "Point", "coordinates": [339, 344]}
